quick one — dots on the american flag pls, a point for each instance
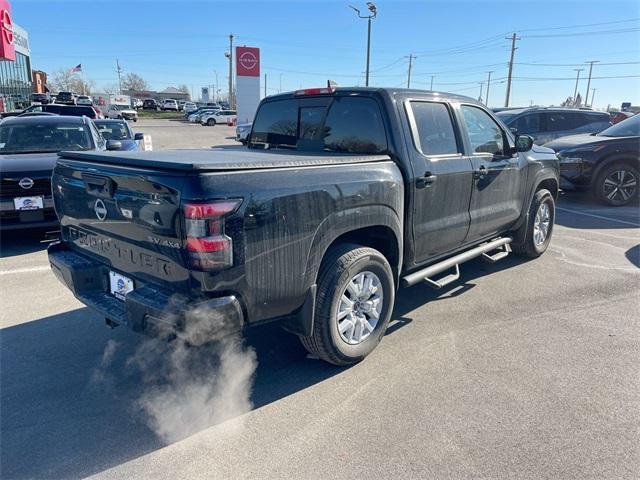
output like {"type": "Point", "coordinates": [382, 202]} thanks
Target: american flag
{"type": "Point", "coordinates": [77, 68]}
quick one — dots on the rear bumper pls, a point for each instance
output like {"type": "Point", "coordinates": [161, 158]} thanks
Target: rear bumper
{"type": "Point", "coordinates": [147, 308]}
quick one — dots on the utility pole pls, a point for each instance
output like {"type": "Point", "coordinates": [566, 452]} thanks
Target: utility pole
{"type": "Point", "coordinates": [431, 87]}
{"type": "Point", "coordinates": [513, 37]}
{"type": "Point", "coordinates": [229, 55]}
{"type": "Point", "coordinates": [119, 71]}
{"type": "Point", "coordinates": [265, 84]}
{"type": "Point", "coordinates": [591, 62]}
{"type": "Point", "coordinates": [280, 89]}
{"type": "Point", "coordinates": [410, 57]}
{"type": "Point", "coordinates": [215, 91]}
{"type": "Point", "coordinates": [575, 90]}
{"type": "Point", "coordinates": [486, 101]}
{"type": "Point", "coordinates": [374, 11]}
{"type": "Point", "coordinates": [480, 96]}
{"type": "Point", "coordinates": [593, 94]}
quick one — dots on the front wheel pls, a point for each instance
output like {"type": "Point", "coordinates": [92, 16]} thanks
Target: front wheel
{"type": "Point", "coordinates": [211, 122]}
{"type": "Point", "coordinates": [353, 306]}
{"type": "Point", "coordinates": [617, 184]}
{"type": "Point", "coordinates": [536, 232]}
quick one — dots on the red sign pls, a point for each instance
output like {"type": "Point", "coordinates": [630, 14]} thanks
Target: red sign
{"type": "Point", "coordinates": [248, 61]}
{"type": "Point", "coordinates": [7, 49]}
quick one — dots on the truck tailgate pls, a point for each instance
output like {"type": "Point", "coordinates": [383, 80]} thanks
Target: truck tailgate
{"type": "Point", "coordinates": [128, 218]}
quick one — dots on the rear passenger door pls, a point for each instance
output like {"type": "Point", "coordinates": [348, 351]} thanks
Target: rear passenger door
{"type": "Point", "coordinates": [442, 187]}
{"type": "Point", "coordinates": [499, 175]}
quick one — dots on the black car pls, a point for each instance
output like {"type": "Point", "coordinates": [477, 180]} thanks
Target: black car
{"type": "Point", "coordinates": [42, 98]}
{"type": "Point", "coordinates": [150, 104]}
{"type": "Point", "coordinates": [67, 98]}
{"type": "Point", "coordinates": [66, 110]}
{"type": "Point", "coordinates": [607, 162]}
{"type": "Point", "coordinates": [119, 131]}
{"type": "Point", "coordinates": [547, 124]}
{"type": "Point", "coordinates": [29, 149]}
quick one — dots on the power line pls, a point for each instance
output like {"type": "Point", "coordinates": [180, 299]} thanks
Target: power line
{"type": "Point", "coordinates": [580, 34]}
{"type": "Point", "coordinates": [579, 26]}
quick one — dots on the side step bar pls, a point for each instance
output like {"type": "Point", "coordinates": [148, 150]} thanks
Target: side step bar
{"type": "Point", "coordinates": [425, 274]}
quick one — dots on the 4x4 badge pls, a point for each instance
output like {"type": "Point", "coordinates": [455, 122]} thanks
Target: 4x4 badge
{"type": "Point", "coordinates": [100, 209]}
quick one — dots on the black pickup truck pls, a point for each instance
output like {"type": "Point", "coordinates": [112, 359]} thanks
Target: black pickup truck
{"type": "Point", "coordinates": [341, 197]}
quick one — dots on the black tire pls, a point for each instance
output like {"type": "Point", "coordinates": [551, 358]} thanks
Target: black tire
{"type": "Point", "coordinates": [614, 196]}
{"type": "Point", "coordinates": [338, 268]}
{"type": "Point", "coordinates": [211, 122]}
{"type": "Point", "coordinates": [528, 247]}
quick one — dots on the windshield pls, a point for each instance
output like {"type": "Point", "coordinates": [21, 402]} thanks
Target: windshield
{"type": "Point", "coordinates": [113, 130]}
{"type": "Point", "coordinates": [43, 137]}
{"type": "Point", "coordinates": [330, 124]}
{"type": "Point", "coordinates": [627, 128]}
{"type": "Point", "coordinates": [506, 117]}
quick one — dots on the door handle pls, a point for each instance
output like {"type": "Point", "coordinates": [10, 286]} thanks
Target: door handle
{"type": "Point", "coordinates": [426, 180]}
{"type": "Point", "coordinates": [480, 173]}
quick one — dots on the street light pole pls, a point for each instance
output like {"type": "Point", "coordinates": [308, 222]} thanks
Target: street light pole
{"type": "Point", "coordinates": [374, 11]}
{"type": "Point", "coordinates": [431, 87]}
{"type": "Point", "coordinates": [593, 94]}
{"type": "Point", "coordinates": [411, 57]}
{"type": "Point", "coordinates": [229, 55]}
{"type": "Point", "coordinates": [486, 101]}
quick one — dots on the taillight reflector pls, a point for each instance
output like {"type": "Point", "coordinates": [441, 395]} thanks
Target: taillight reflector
{"type": "Point", "coordinates": [314, 91]}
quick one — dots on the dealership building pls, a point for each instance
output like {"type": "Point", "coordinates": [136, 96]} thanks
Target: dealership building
{"type": "Point", "coordinates": [15, 76]}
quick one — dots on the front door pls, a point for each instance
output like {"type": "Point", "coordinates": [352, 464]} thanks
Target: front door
{"type": "Point", "coordinates": [499, 174]}
{"type": "Point", "coordinates": [443, 185]}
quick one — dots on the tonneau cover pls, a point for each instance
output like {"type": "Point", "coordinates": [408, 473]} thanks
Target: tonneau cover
{"type": "Point", "coordinates": [221, 159]}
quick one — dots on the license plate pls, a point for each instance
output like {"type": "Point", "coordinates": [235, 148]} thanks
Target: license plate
{"type": "Point", "coordinates": [120, 285]}
{"type": "Point", "coordinates": [28, 203]}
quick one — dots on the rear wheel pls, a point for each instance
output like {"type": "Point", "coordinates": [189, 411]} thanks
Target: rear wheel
{"type": "Point", "coordinates": [536, 232]}
{"type": "Point", "coordinates": [353, 305]}
{"type": "Point", "coordinates": [211, 122]}
{"type": "Point", "coordinates": [617, 184]}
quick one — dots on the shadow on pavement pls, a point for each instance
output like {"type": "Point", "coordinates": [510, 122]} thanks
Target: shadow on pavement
{"type": "Point", "coordinates": [20, 242]}
{"type": "Point", "coordinates": [581, 210]}
{"type": "Point", "coordinates": [57, 422]}
{"type": "Point", "coordinates": [633, 255]}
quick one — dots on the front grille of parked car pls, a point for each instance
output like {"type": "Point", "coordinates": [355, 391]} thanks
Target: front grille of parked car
{"type": "Point", "coordinates": [10, 187]}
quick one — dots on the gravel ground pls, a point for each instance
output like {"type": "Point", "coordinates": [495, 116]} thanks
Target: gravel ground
{"type": "Point", "coordinates": [522, 369]}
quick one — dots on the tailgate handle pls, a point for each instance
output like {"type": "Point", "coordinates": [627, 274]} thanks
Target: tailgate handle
{"type": "Point", "coordinates": [99, 186]}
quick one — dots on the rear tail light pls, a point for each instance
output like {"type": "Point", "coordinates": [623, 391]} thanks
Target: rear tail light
{"type": "Point", "coordinates": [208, 247]}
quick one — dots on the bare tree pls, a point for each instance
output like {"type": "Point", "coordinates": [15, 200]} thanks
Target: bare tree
{"type": "Point", "coordinates": [66, 81]}
{"type": "Point", "coordinates": [184, 89]}
{"type": "Point", "coordinates": [110, 88]}
{"type": "Point", "coordinates": [133, 81]}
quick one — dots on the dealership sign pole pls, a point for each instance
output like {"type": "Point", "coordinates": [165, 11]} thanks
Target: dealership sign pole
{"type": "Point", "coordinates": [247, 82]}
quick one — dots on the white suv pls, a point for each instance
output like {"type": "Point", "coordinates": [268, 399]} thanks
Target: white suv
{"type": "Point", "coordinates": [169, 104]}
{"type": "Point", "coordinates": [220, 117]}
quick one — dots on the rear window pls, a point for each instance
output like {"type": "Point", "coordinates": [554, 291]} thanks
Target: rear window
{"type": "Point", "coordinates": [436, 135]}
{"type": "Point", "coordinates": [335, 124]}
{"type": "Point", "coordinates": [74, 111]}
{"type": "Point", "coordinates": [36, 137]}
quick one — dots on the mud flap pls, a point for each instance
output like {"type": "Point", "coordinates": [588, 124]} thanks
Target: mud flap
{"type": "Point", "coordinates": [301, 323]}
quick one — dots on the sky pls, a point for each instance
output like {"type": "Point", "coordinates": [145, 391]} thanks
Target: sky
{"type": "Point", "coordinates": [305, 43]}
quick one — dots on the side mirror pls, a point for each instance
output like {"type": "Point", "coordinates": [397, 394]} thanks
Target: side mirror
{"type": "Point", "coordinates": [138, 136]}
{"type": "Point", "coordinates": [114, 144]}
{"type": "Point", "coordinates": [524, 143]}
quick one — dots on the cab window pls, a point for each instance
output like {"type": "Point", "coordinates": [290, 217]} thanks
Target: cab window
{"type": "Point", "coordinates": [436, 135]}
{"type": "Point", "coordinates": [485, 136]}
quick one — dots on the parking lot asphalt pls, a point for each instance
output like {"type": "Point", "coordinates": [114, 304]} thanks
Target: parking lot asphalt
{"type": "Point", "coordinates": [181, 134]}
{"type": "Point", "coordinates": [522, 369]}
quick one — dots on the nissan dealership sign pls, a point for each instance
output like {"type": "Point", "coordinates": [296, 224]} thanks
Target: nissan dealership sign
{"type": "Point", "coordinates": [247, 82]}
{"type": "Point", "coordinates": [7, 47]}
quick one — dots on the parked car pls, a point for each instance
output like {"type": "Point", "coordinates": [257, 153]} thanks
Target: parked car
{"type": "Point", "coordinates": [189, 107]}
{"type": "Point", "coordinates": [84, 100]}
{"type": "Point", "coordinates": [29, 149]}
{"type": "Point", "coordinates": [122, 111]}
{"type": "Point", "coordinates": [169, 104]}
{"type": "Point", "coordinates": [136, 103]}
{"type": "Point", "coordinates": [617, 117]}
{"type": "Point", "coordinates": [195, 116]}
{"type": "Point", "coordinates": [119, 130]}
{"type": "Point", "coordinates": [242, 132]}
{"type": "Point", "coordinates": [41, 98]}
{"type": "Point", "coordinates": [66, 98]}
{"type": "Point", "coordinates": [546, 124]}
{"type": "Point", "coordinates": [220, 117]}
{"type": "Point", "coordinates": [606, 163]}
{"type": "Point", "coordinates": [150, 104]}
{"type": "Point", "coordinates": [342, 196]}
{"type": "Point", "coordinates": [66, 110]}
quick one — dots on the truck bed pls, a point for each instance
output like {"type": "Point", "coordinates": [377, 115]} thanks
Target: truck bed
{"type": "Point", "coordinates": [217, 159]}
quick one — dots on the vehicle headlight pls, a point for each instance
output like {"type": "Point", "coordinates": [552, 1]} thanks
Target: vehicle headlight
{"type": "Point", "coordinates": [573, 159]}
